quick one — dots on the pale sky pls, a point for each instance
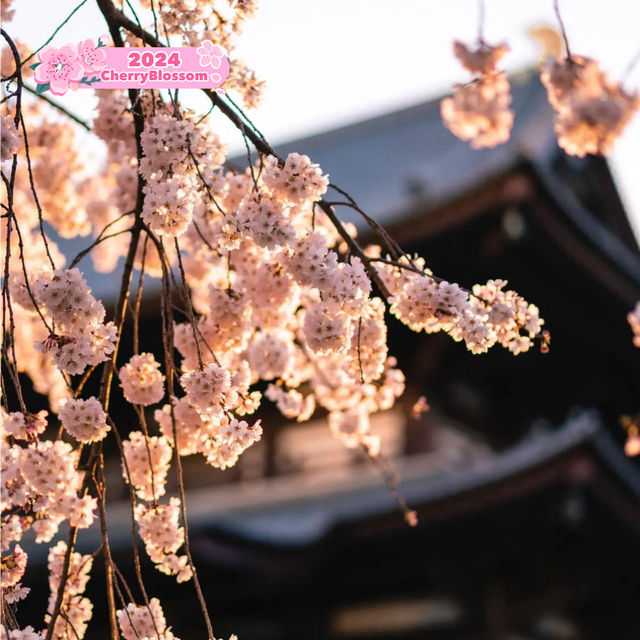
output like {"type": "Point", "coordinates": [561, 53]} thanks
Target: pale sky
{"type": "Point", "coordinates": [335, 62]}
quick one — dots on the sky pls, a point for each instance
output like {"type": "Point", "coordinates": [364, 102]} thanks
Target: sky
{"type": "Point", "coordinates": [334, 62]}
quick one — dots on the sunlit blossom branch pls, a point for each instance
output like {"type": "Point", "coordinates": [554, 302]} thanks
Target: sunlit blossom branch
{"type": "Point", "coordinates": [168, 345]}
{"type": "Point", "coordinates": [111, 13]}
{"type": "Point", "coordinates": [132, 503]}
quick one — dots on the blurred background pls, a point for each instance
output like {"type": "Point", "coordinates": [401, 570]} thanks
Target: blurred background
{"type": "Point", "coordinates": [529, 511]}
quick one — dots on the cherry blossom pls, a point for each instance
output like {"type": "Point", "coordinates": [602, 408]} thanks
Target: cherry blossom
{"type": "Point", "coordinates": [85, 420]}
{"type": "Point", "coordinates": [591, 110]}
{"type": "Point", "coordinates": [144, 622]}
{"type": "Point", "coordinates": [59, 67]}
{"type": "Point", "coordinates": [77, 608]}
{"type": "Point", "coordinates": [92, 58]}
{"type": "Point", "coordinates": [210, 54]}
{"type": "Point", "coordinates": [24, 426]}
{"type": "Point", "coordinates": [479, 111]}
{"type": "Point", "coordinates": [267, 295]}
{"type": "Point", "coordinates": [141, 380]}
{"type": "Point", "coordinates": [146, 464]}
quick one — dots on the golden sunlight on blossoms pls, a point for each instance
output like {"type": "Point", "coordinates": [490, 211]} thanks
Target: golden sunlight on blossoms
{"type": "Point", "coordinates": [216, 363]}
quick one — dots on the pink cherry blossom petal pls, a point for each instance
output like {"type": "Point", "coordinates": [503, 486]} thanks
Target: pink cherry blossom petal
{"type": "Point", "coordinates": [41, 73]}
{"type": "Point", "coordinates": [58, 86]}
{"type": "Point", "coordinates": [69, 50]}
{"type": "Point", "coordinates": [76, 72]}
{"type": "Point", "coordinates": [46, 53]}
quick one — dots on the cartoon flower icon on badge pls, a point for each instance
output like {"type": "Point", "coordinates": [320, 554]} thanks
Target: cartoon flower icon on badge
{"type": "Point", "coordinates": [210, 54]}
{"type": "Point", "coordinates": [91, 58]}
{"type": "Point", "coordinates": [59, 67]}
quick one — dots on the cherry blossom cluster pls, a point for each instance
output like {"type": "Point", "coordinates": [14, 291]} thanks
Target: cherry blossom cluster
{"type": "Point", "coordinates": [41, 480]}
{"type": "Point", "coordinates": [319, 312]}
{"type": "Point", "coordinates": [170, 147]}
{"type": "Point", "coordinates": [479, 111]}
{"type": "Point", "coordinates": [40, 489]}
{"type": "Point", "coordinates": [113, 122]}
{"type": "Point", "coordinates": [7, 11]}
{"type": "Point", "coordinates": [56, 167]}
{"type": "Point", "coordinates": [244, 80]}
{"type": "Point", "coordinates": [162, 536]}
{"type": "Point", "coordinates": [146, 464]}
{"type": "Point", "coordinates": [79, 337]}
{"type": "Point", "coordinates": [297, 181]}
{"type": "Point", "coordinates": [46, 377]}
{"type": "Point", "coordinates": [212, 394]}
{"type": "Point", "coordinates": [13, 567]}
{"type": "Point", "coordinates": [590, 109]}
{"type": "Point", "coordinates": [28, 633]}
{"type": "Point", "coordinates": [631, 424]}
{"type": "Point", "coordinates": [75, 607]}
{"type": "Point", "coordinates": [486, 316]}
{"type": "Point", "coordinates": [146, 621]}
{"type": "Point", "coordinates": [23, 426]}
{"type": "Point", "coordinates": [141, 380]}
{"type": "Point", "coordinates": [264, 245]}
{"type": "Point", "coordinates": [633, 317]}
{"type": "Point", "coordinates": [85, 420]}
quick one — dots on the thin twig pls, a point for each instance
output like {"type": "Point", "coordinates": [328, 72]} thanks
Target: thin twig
{"type": "Point", "coordinates": [59, 107]}
{"type": "Point", "coordinates": [53, 35]}
{"type": "Point", "coordinates": [556, 8]}
{"type": "Point", "coordinates": [481, 21]}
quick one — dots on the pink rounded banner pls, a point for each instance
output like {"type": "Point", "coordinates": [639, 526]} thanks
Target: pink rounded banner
{"type": "Point", "coordinates": [161, 68]}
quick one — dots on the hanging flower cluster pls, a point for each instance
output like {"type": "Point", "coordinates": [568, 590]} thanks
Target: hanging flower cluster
{"type": "Point", "coordinates": [40, 489]}
{"type": "Point", "coordinates": [162, 536]}
{"type": "Point", "coordinates": [141, 380]}
{"type": "Point", "coordinates": [479, 111]}
{"type": "Point", "coordinates": [10, 141]}
{"type": "Point", "coordinates": [590, 109]}
{"type": "Point", "coordinates": [78, 338]}
{"type": "Point", "coordinates": [85, 420]}
{"type": "Point", "coordinates": [76, 609]}
{"type": "Point", "coordinates": [144, 622]}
